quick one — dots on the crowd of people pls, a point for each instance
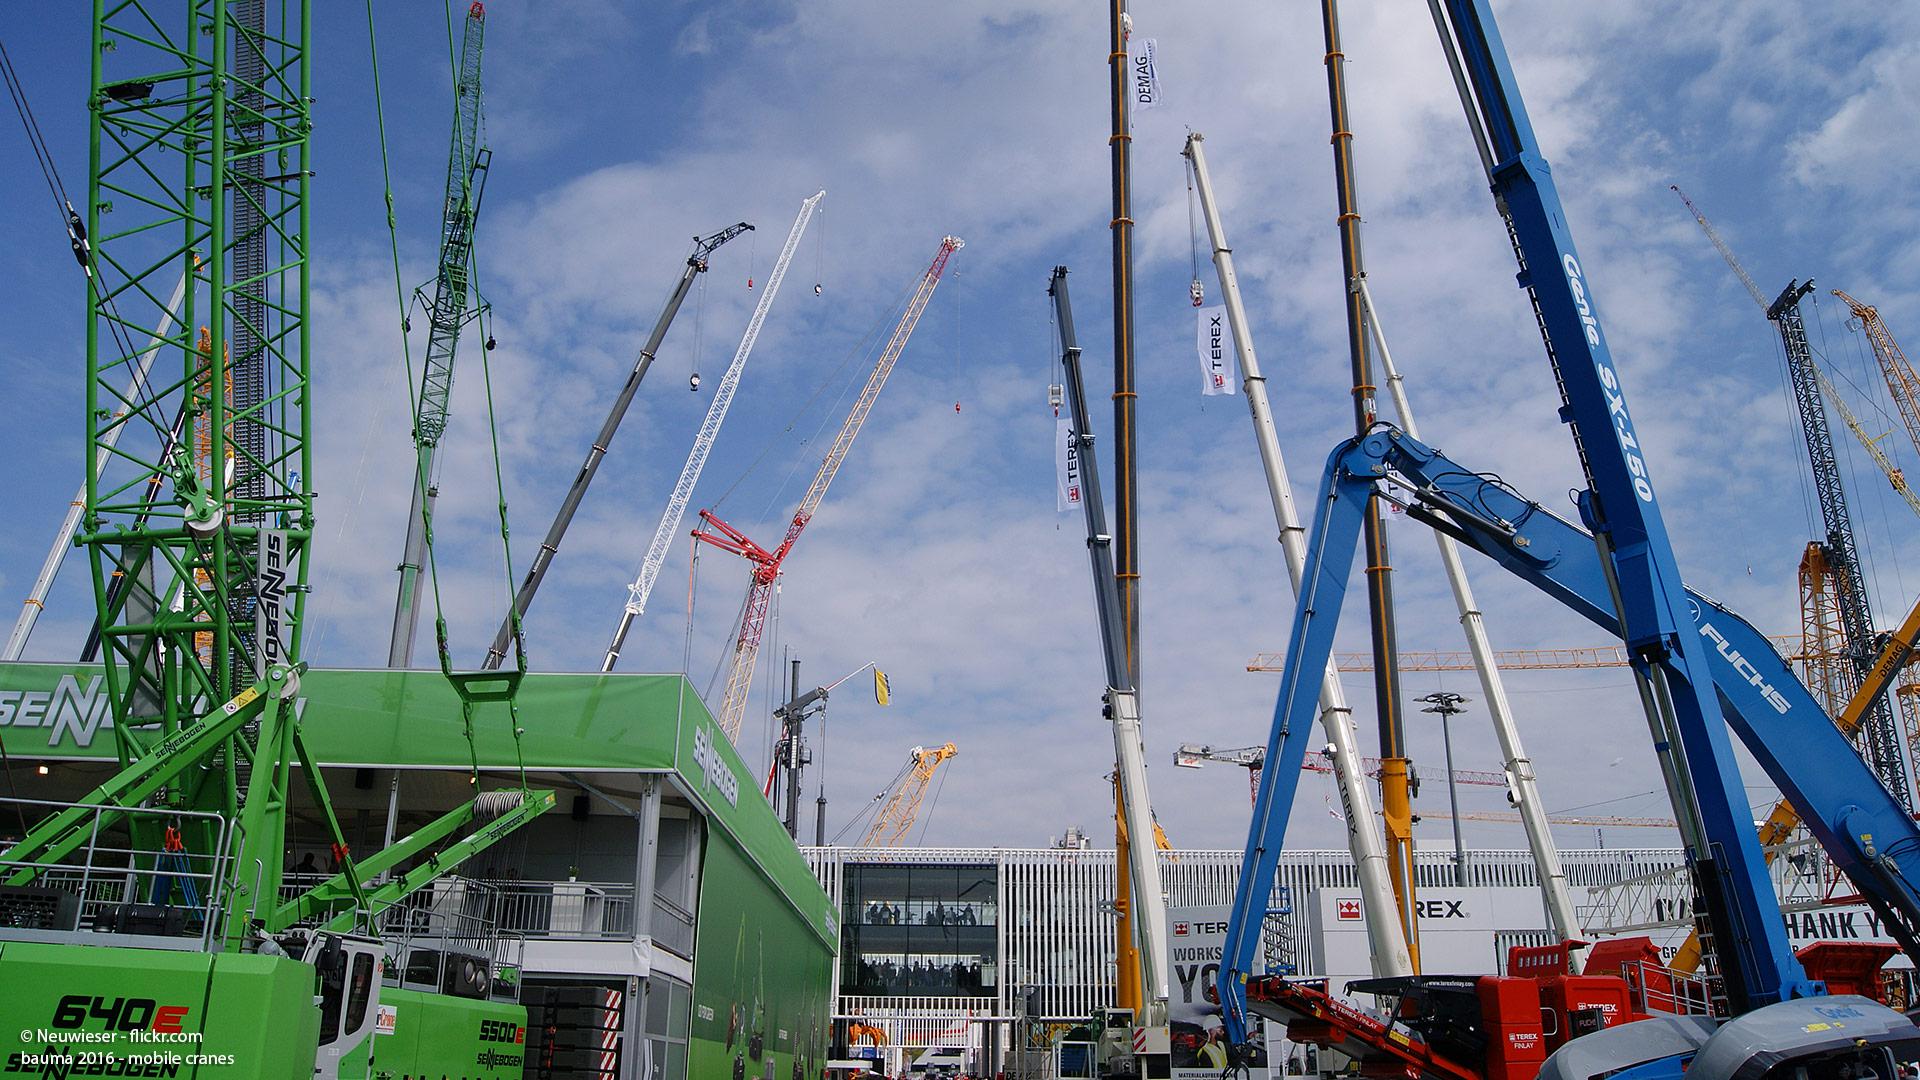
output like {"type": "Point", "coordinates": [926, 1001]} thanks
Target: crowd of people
{"type": "Point", "coordinates": [888, 977]}
{"type": "Point", "coordinates": [881, 913]}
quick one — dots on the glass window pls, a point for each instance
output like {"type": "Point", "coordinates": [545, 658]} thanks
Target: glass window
{"type": "Point", "coordinates": [359, 991]}
{"type": "Point", "coordinates": [920, 931]}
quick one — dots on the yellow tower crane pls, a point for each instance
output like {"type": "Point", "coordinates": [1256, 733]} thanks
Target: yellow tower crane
{"type": "Point", "coordinates": [902, 797]}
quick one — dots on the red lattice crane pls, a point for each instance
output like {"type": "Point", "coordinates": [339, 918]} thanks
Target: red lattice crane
{"type": "Point", "coordinates": [766, 564]}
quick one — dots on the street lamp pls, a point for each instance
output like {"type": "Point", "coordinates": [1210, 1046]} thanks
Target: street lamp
{"type": "Point", "coordinates": [1447, 703]}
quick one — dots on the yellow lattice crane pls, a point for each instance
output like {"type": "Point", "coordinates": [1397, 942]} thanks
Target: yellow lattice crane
{"type": "Point", "coordinates": [895, 819]}
{"type": "Point", "coordinates": [1899, 374]}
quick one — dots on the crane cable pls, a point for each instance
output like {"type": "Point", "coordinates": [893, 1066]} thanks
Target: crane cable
{"type": "Point", "coordinates": [465, 693]}
{"type": "Point", "coordinates": [1197, 290]}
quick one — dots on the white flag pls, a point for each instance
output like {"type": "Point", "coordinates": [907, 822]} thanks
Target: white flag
{"type": "Point", "coordinates": [1066, 462]}
{"type": "Point", "coordinates": [1141, 54]}
{"type": "Point", "coordinates": [1211, 339]}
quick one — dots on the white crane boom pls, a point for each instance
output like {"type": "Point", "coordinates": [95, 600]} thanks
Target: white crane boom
{"type": "Point", "coordinates": [36, 600]}
{"type": "Point", "coordinates": [1522, 786]}
{"type": "Point", "coordinates": [682, 495]}
{"type": "Point", "coordinates": [1387, 938]}
{"type": "Point", "coordinates": [766, 564]}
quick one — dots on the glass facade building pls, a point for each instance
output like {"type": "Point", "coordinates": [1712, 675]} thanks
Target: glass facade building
{"type": "Point", "coordinates": [920, 930]}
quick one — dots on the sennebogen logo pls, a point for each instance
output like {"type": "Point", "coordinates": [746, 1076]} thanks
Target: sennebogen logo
{"type": "Point", "coordinates": [714, 766]}
{"type": "Point", "coordinates": [73, 714]}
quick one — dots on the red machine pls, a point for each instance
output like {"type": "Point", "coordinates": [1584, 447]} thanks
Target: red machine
{"type": "Point", "coordinates": [1455, 1027]}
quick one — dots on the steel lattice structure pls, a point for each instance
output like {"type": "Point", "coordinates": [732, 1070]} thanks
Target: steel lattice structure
{"type": "Point", "coordinates": [199, 165]}
{"type": "Point", "coordinates": [767, 564]}
{"type": "Point", "coordinates": [1880, 737]}
{"type": "Point", "coordinates": [447, 312]}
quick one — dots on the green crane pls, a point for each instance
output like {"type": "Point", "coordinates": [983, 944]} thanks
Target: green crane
{"type": "Point", "coordinates": [447, 311]}
{"type": "Point", "coordinates": [197, 526]}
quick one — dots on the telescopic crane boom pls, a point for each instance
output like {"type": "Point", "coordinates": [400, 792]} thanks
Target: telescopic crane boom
{"type": "Point", "coordinates": [703, 250]}
{"type": "Point", "coordinates": [467, 163]}
{"type": "Point", "coordinates": [766, 564]}
{"type": "Point", "coordinates": [1386, 937]}
{"type": "Point", "coordinates": [1704, 668]}
{"type": "Point", "coordinates": [1149, 914]}
{"type": "Point", "coordinates": [682, 495]}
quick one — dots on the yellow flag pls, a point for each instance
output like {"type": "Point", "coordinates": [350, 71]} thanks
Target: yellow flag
{"type": "Point", "coordinates": [882, 693]}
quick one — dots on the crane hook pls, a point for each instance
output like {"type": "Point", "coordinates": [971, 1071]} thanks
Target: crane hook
{"type": "Point", "coordinates": [1199, 292]}
{"type": "Point", "coordinates": [693, 382]}
{"type": "Point", "coordinates": [816, 288]}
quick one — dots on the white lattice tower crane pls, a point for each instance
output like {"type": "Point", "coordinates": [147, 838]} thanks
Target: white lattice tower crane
{"type": "Point", "coordinates": [766, 564]}
{"type": "Point", "coordinates": [895, 819]}
{"type": "Point", "coordinates": [682, 495]}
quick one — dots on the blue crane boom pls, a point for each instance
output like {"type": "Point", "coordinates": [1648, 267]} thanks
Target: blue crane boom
{"type": "Point", "coordinates": [1640, 585]}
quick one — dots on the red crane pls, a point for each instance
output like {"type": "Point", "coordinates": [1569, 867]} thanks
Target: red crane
{"type": "Point", "coordinates": [766, 564]}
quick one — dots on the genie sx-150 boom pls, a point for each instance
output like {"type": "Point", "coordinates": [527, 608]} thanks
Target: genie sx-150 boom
{"type": "Point", "coordinates": [1701, 669]}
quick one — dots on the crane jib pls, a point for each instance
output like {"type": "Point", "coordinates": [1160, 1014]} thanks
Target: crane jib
{"type": "Point", "coordinates": [1609, 381]}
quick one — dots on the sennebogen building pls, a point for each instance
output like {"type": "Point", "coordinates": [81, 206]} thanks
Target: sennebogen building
{"type": "Point", "coordinates": [659, 910]}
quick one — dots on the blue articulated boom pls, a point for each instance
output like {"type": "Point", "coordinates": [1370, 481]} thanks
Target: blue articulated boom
{"type": "Point", "coordinates": [1637, 583]}
{"type": "Point", "coordinates": [1864, 830]}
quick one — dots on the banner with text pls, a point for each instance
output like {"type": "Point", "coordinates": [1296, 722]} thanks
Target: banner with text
{"type": "Point", "coordinates": [1196, 938]}
{"type": "Point", "coordinates": [1211, 340]}
{"type": "Point", "coordinates": [1143, 55]}
{"type": "Point", "coordinates": [1066, 464]}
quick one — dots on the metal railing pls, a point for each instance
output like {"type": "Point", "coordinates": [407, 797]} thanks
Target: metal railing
{"type": "Point", "coordinates": [570, 910]}
{"type": "Point", "coordinates": [431, 934]}
{"type": "Point", "coordinates": [123, 879]}
{"type": "Point", "coordinates": [672, 927]}
{"type": "Point", "coordinates": [1658, 989]}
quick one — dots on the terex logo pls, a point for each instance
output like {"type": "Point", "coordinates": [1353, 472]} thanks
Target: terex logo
{"type": "Point", "coordinates": [1179, 929]}
{"type": "Point", "coordinates": [1347, 909]}
{"type": "Point", "coordinates": [714, 767]}
{"type": "Point", "coordinates": [1441, 909]}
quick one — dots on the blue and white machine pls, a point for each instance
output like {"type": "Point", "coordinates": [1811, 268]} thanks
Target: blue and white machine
{"type": "Point", "coordinates": [1701, 668]}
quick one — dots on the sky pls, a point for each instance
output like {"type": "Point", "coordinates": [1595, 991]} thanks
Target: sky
{"type": "Point", "coordinates": [620, 131]}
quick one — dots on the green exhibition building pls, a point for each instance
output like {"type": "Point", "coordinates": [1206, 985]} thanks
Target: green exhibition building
{"type": "Point", "coordinates": [662, 890]}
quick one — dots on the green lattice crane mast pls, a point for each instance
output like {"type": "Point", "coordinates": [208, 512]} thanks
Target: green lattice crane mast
{"type": "Point", "coordinates": [447, 312]}
{"type": "Point", "coordinates": [197, 528]}
{"type": "Point", "coordinates": [1879, 739]}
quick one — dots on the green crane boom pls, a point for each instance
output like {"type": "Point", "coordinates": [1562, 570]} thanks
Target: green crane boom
{"type": "Point", "coordinates": [447, 311]}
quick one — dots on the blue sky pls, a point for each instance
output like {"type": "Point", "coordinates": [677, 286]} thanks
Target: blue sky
{"type": "Point", "coordinates": [617, 134]}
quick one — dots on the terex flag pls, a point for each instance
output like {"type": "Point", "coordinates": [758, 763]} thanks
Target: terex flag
{"type": "Point", "coordinates": [1197, 937]}
{"type": "Point", "coordinates": [1212, 341]}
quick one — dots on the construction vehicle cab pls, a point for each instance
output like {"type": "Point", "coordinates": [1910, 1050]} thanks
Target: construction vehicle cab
{"type": "Point", "coordinates": [1838, 1037]}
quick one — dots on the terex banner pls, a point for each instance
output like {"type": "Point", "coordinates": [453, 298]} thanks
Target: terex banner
{"type": "Point", "coordinates": [1196, 937]}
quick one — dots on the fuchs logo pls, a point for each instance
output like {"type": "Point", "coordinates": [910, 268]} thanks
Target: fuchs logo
{"type": "Point", "coordinates": [714, 767]}
{"type": "Point", "coordinates": [1741, 665]}
{"type": "Point", "coordinates": [1610, 383]}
